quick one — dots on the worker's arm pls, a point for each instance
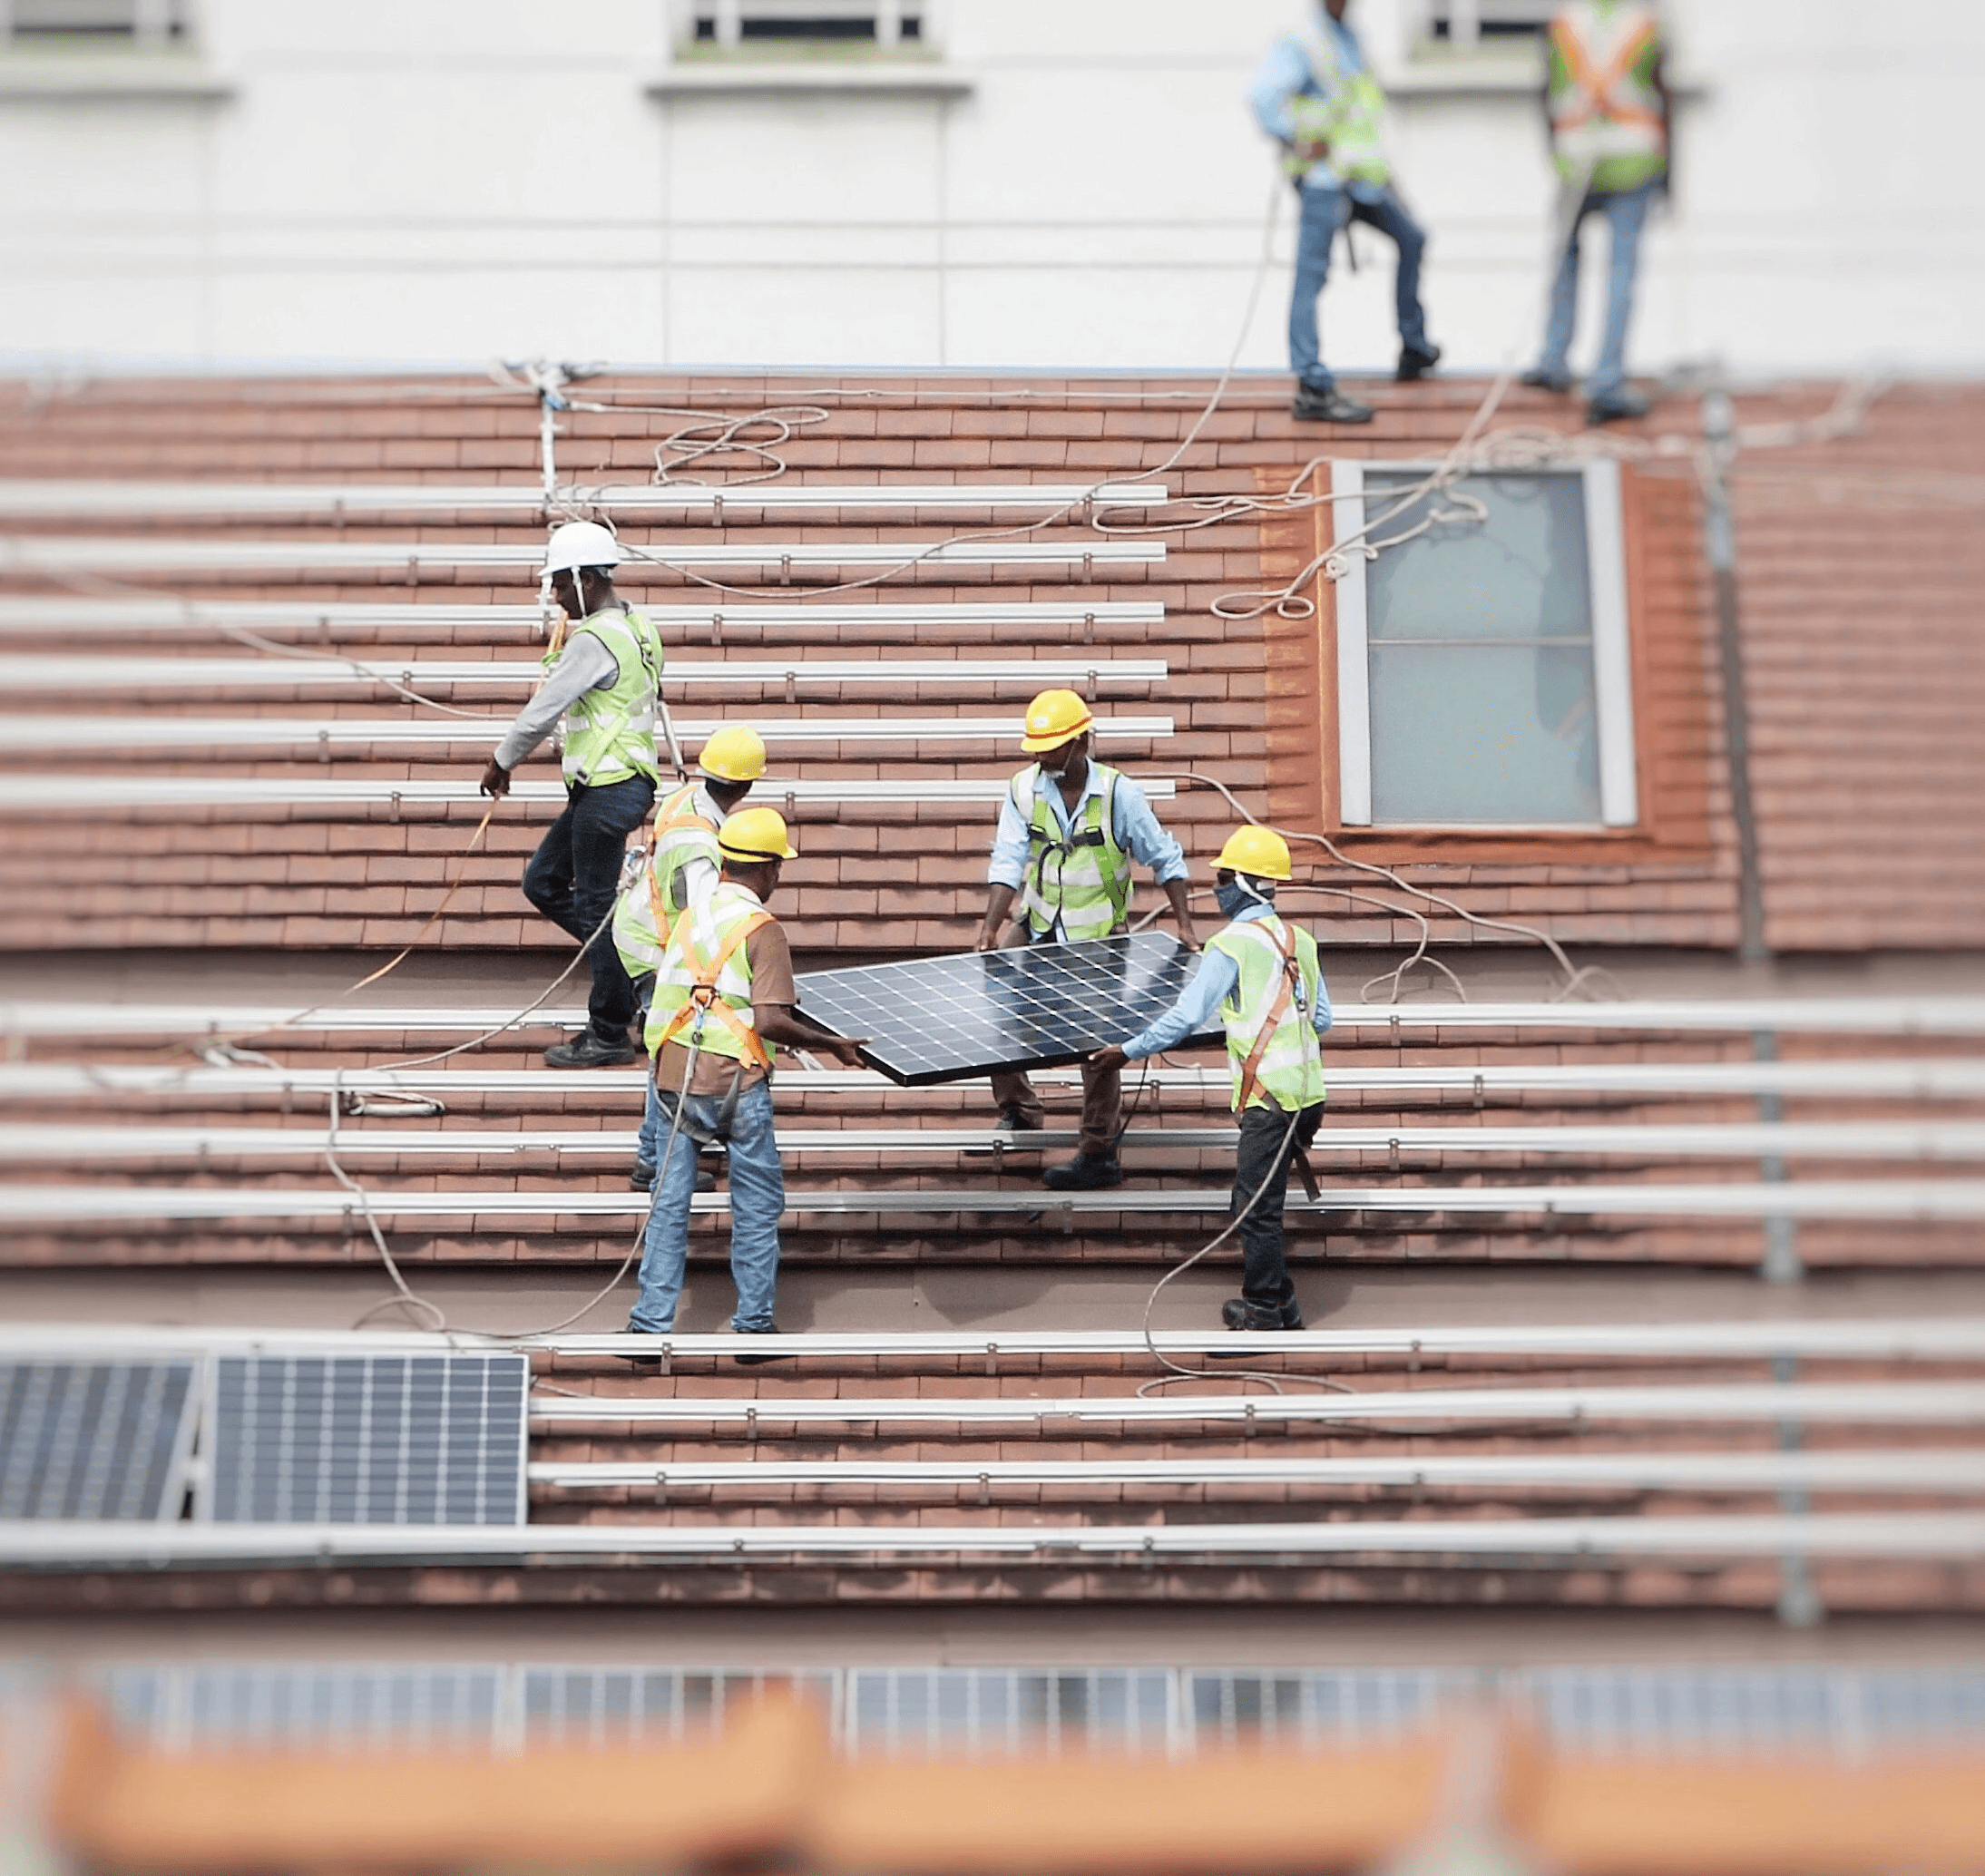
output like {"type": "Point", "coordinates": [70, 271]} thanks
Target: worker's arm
{"type": "Point", "coordinates": [1282, 72]}
{"type": "Point", "coordinates": [1666, 183]}
{"type": "Point", "coordinates": [584, 665]}
{"type": "Point", "coordinates": [1003, 873]}
{"type": "Point", "coordinates": [699, 875]}
{"type": "Point", "coordinates": [1212, 984]}
{"type": "Point", "coordinates": [781, 1022]}
{"type": "Point", "coordinates": [1139, 834]}
{"type": "Point", "coordinates": [1320, 1017]}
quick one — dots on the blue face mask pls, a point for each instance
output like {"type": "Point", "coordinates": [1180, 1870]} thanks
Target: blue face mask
{"type": "Point", "coordinates": [1234, 898]}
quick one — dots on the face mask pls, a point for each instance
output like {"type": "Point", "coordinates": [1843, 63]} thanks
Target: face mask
{"type": "Point", "coordinates": [1233, 898]}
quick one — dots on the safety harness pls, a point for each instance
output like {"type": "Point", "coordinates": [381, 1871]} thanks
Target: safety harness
{"type": "Point", "coordinates": [704, 1000]}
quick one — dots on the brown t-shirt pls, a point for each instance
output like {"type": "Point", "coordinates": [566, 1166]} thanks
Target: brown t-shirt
{"type": "Point", "coordinates": [770, 960]}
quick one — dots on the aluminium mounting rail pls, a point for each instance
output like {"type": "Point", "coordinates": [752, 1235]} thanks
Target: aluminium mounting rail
{"type": "Point", "coordinates": [1908, 1470]}
{"type": "Point", "coordinates": [1840, 1140]}
{"type": "Point", "coordinates": [1909, 1200]}
{"type": "Point", "coordinates": [1942, 1338]}
{"type": "Point", "coordinates": [1884, 1402]}
{"type": "Point", "coordinates": [1924, 1081]}
{"type": "Point", "coordinates": [55, 1544]}
{"type": "Point", "coordinates": [1904, 1016]}
{"type": "Point", "coordinates": [47, 730]}
{"type": "Point", "coordinates": [56, 500]}
{"type": "Point", "coordinates": [114, 671]}
{"type": "Point", "coordinates": [103, 553]}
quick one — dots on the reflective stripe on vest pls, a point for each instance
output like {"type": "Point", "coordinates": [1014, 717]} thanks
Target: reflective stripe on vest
{"type": "Point", "coordinates": [1346, 111]}
{"type": "Point", "coordinates": [1289, 1069]}
{"type": "Point", "coordinates": [703, 983]}
{"type": "Point", "coordinates": [1605, 112]}
{"type": "Point", "coordinates": [610, 734]}
{"type": "Point", "coordinates": [646, 916]}
{"type": "Point", "coordinates": [1082, 875]}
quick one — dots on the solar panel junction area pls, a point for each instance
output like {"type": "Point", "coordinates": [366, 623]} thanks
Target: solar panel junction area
{"type": "Point", "coordinates": [942, 1019]}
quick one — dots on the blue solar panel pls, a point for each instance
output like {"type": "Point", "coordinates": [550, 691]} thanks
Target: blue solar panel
{"type": "Point", "coordinates": [942, 1019]}
{"type": "Point", "coordinates": [93, 1440]}
{"type": "Point", "coordinates": [368, 1439]}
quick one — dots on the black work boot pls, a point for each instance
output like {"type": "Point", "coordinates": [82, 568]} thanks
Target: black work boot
{"type": "Point", "coordinates": [1539, 379]}
{"type": "Point", "coordinates": [1087, 1172]}
{"type": "Point", "coordinates": [1331, 406]}
{"type": "Point", "coordinates": [1239, 1312]}
{"type": "Point", "coordinates": [588, 1051]}
{"type": "Point", "coordinates": [1611, 406]}
{"type": "Point", "coordinates": [1416, 361]}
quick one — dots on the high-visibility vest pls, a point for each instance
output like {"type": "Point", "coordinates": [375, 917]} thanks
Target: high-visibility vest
{"type": "Point", "coordinates": [1346, 111]}
{"type": "Point", "coordinates": [703, 980]}
{"type": "Point", "coordinates": [1605, 112]}
{"type": "Point", "coordinates": [610, 734]}
{"type": "Point", "coordinates": [1271, 1037]}
{"type": "Point", "coordinates": [660, 894]}
{"type": "Point", "coordinates": [1083, 875]}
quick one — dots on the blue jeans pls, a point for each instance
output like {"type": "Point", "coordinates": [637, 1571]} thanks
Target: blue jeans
{"type": "Point", "coordinates": [1324, 211]}
{"type": "Point", "coordinates": [758, 1197]}
{"type": "Point", "coordinates": [1626, 212]}
{"type": "Point", "coordinates": [572, 879]}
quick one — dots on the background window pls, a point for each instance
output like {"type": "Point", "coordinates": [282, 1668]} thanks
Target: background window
{"type": "Point", "coordinates": [744, 21]}
{"type": "Point", "coordinates": [1482, 668]}
{"type": "Point", "coordinates": [137, 23]}
{"type": "Point", "coordinates": [1507, 24]}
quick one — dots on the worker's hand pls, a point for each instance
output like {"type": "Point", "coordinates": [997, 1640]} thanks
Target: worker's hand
{"type": "Point", "coordinates": [989, 936]}
{"type": "Point", "coordinates": [846, 1050]}
{"type": "Point", "coordinates": [1110, 1057]}
{"type": "Point", "coordinates": [1312, 150]}
{"type": "Point", "coordinates": [1189, 932]}
{"type": "Point", "coordinates": [495, 782]}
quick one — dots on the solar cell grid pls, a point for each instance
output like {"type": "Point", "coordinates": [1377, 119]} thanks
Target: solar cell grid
{"type": "Point", "coordinates": [93, 1440]}
{"type": "Point", "coordinates": [942, 1019]}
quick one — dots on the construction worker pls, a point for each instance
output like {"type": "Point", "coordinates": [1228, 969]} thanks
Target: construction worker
{"type": "Point", "coordinates": [1314, 94]}
{"type": "Point", "coordinates": [1263, 977]}
{"type": "Point", "coordinates": [1068, 830]}
{"type": "Point", "coordinates": [603, 669]}
{"type": "Point", "coordinates": [723, 992]}
{"type": "Point", "coordinates": [681, 871]}
{"type": "Point", "coordinates": [1610, 116]}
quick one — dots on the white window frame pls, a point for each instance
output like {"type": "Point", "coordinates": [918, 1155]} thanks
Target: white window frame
{"type": "Point", "coordinates": [1612, 652]}
{"type": "Point", "coordinates": [152, 22]}
{"type": "Point", "coordinates": [729, 14]}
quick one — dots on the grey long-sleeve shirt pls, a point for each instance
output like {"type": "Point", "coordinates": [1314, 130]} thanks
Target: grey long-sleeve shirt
{"type": "Point", "coordinates": [584, 665]}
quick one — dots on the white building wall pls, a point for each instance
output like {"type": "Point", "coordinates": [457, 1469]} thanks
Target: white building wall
{"type": "Point", "coordinates": [455, 180]}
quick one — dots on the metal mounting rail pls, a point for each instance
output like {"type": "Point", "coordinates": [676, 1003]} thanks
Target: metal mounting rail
{"type": "Point", "coordinates": [1911, 1470]}
{"type": "Point", "coordinates": [105, 553]}
{"type": "Point", "coordinates": [1904, 1016]}
{"type": "Point", "coordinates": [52, 617]}
{"type": "Point", "coordinates": [1845, 1338]}
{"type": "Point", "coordinates": [1908, 1402]}
{"type": "Point", "coordinates": [1840, 1140]}
{"type": "Point", "coordinates": [1911, 1201]}
{"type": "Point", "coordinates": [54, 731]}
{"type": "Point", "coordinates": [114, 671]}
{"type": "Point", "coordinates": [1929, 1080]}
{"type": "Point", "coordinates": [69, 793]}
{"type": "Point", "coordinates": [66, 499]}
{"type": "Point", "coordinates": [55, 1543]}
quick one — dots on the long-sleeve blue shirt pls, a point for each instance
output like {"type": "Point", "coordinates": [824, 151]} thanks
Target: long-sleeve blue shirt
{"type": "Point", "coordinates": [1284, 73]}
{"type": "Point", "coordinates": [1211, 985]}
{"type": "Point", "coordinates": [1133, 826]}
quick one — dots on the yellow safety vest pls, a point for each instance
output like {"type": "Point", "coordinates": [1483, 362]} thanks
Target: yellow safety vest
{"type": "Point", "coordinates": [703, 983]}
{"type": "Point", "coordinates": [1271, 1038]}
{"type": "Point", "coordinates": [1606, 114]}
{"type": "Point", "coordinates": [646, 914]}
{"type": "Point", "coordinates": [1346, 111]}
{"type": "Point", "coordinates": [1082, 875]}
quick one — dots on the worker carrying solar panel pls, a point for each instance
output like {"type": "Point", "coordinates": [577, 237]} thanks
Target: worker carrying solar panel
{"type": "Point", "coordinates": [1070, 829]}
{"type": "Point", "coordinates": [603, 670]}
{"type": "Point", "coordinates": [723, 992]}
{"type": "Point", "coordinates": [680, 872]}
{"type": "Point", "coordinates": [1263, 976]}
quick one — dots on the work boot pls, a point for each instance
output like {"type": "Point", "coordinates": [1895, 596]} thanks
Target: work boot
{"type": "Point", "coordinates": [1611, 406]}
{"type": "Point", "coordinates": [1539, 379]}
{"type": "Point", "coordinates": [587, 1050]}
{"type": "Point", "coordinates": [1331, 406]}
{"type": "Point", "coordinates": [641, 1364]}
{"type": "Point", "coordinates": [1416, 361]}
{"type": "Point", "coordinates": [757, 1360]}
{"type": "Point", "coordinates": [1014, 1120]}
{"type": "Point", "coordinates": [1087, 1172]}
{"type": "Point", "coordinates": [1239, 1312]}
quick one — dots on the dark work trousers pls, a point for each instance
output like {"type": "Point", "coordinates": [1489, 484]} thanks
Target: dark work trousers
{"type": "Point", "coordinates": [572, 877]}
{"type": "Point", "coordinates": [1265, 1277]}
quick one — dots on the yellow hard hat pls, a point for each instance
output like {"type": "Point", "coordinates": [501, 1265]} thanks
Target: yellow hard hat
{"type": "Point", "coordinates": [1258, 852]}
{"type": "Point", "coordinates": [734, 754]}
{"type": "Point", "coordinates": [754, 835]}
{"type": "Point", "coordinates": [1054, 717]}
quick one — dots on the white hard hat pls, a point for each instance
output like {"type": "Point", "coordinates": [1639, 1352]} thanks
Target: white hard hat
{"type": "Point", "coordinates": [579, 543]}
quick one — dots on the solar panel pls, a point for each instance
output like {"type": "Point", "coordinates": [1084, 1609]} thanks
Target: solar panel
{"type": "Point", "coordinates": [941, 1018]}
{"type": "Point", "coordinates": [95, 1440]}
{"type": "Point", "coordinates": [368, 1439]}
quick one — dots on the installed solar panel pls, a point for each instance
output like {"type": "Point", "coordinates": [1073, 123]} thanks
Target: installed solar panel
{"type": "Point", "coordinates": [368, 1439]}
{"type": "Point", "coordinates": [93, 1439]}
{"type": "Point", "coordinates": [940, 1019]}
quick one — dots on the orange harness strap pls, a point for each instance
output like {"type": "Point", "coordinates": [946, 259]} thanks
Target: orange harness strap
{"type": "Point", "coordinates": [662, 919]}
{"type": "Point", "coordinates": [1277, 1011]}
{"type": "Point", "coordinates": [704, 1000]}
{"type": "Point", "coordinates": [1598, 86]}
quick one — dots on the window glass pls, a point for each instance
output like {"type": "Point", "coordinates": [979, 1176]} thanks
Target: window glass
{"type": "Point", "coordinates": [1478, 637]}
